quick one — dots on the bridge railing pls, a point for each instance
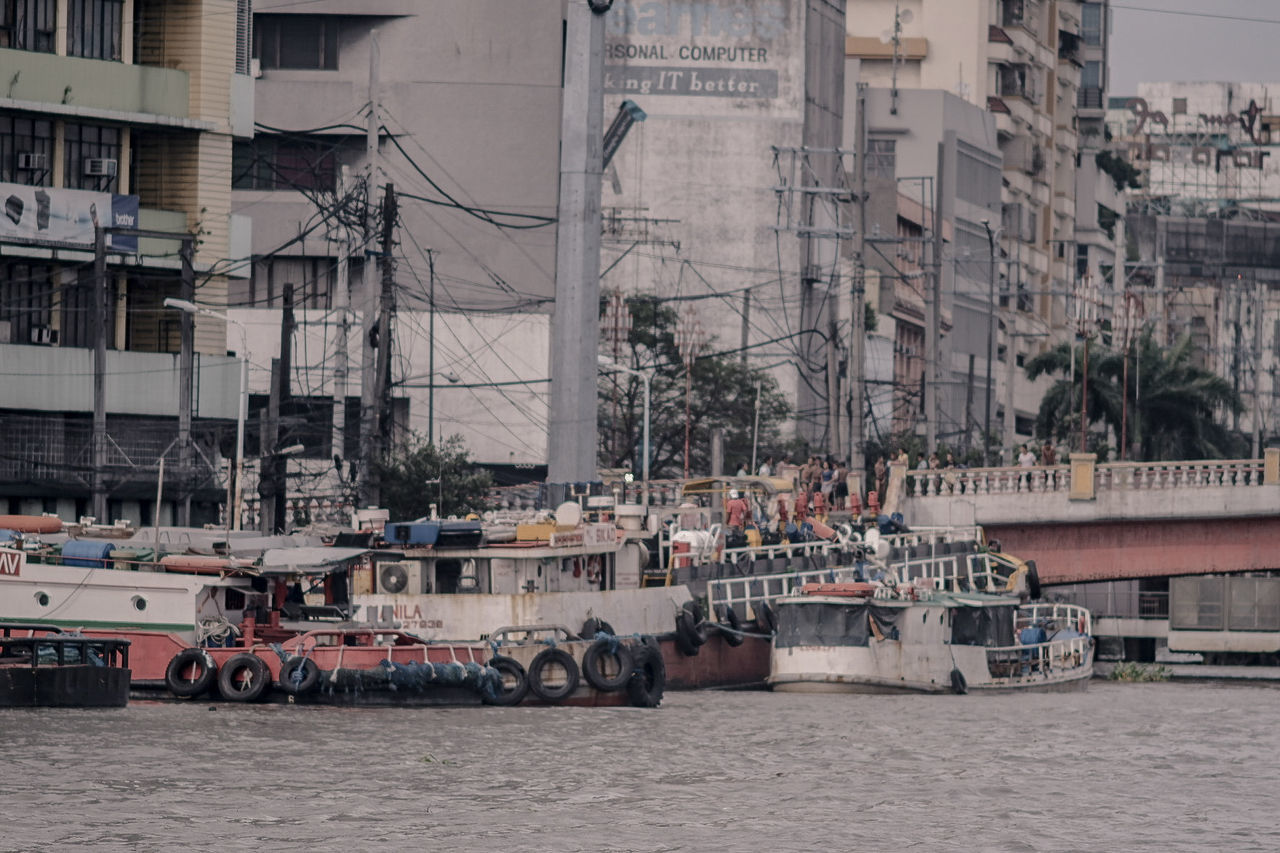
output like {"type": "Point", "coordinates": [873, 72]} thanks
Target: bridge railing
{"type": "Point", "coordinates": [1193, 474]}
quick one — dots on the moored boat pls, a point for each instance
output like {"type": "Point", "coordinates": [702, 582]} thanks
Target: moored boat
{"type": "Point", "coordinates": [42, 666]}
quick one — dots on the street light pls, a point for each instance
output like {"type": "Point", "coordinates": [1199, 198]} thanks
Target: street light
{"type": "Point", "coordinates": [607, 363]}
{"type": "Point", "coordinates": [991, 335]}
{"type": "Point", "coordinates": [234, 499]}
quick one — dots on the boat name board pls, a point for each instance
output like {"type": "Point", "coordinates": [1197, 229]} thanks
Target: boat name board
{"type": "Point", "coordinates": [587, 535]}
{"type": "Point", "coordinates": [11, 562]}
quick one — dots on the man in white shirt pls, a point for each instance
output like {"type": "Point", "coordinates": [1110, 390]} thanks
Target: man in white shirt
{"type": "Point", "coordinates": [1026, 458]}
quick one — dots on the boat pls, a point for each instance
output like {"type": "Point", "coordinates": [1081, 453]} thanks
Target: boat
{"type": "Point", "coordinates": [938, 622]}
{"type": "Point", "coordinates": [42, 666]}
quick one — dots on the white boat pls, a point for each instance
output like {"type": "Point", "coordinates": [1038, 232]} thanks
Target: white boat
{"type": "Point", "coordinates": [938, 623]}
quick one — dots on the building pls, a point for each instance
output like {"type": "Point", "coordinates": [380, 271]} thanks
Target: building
{"type": "Point", "coordinates": [124, 111]}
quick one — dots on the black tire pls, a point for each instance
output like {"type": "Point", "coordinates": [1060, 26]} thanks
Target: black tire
{"type": "Point", "coordinates": [1033, 580]}
{"type": "Point", "coordinates": [648, 678]}
{"type": "Point", "coordinates": [509, 668]}
{"type": "Point", "coordinates": [731, 627]}
{"type": "Point", "coordinates": [602, 650]}
{"type": "Point", "coordinates": [299, 675]}
{"type": "Point", "coordinates": [688, 638]}
{"type": "Point", "coordinates": [244, 678]}
{"type": "Point", "coordinates": [595, 626]}
{"type": "Point", "coordinates": [958, 684]}
{"type": "Point", "coordinates": [546, 692]}
{"type": "Point", "coordinates": [766, 618]}
{"type": "Point", "coordinates": [192, 672]}
{"type": "Point", "coordinates": [695, 610]}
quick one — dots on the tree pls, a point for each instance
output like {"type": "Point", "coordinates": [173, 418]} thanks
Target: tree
{"type": "Point", "coordinates": [415, 473]}
{"type": "Point", "coordinates": [1169, 402]}
{"type": "Point", "coordinates": [723, 395]}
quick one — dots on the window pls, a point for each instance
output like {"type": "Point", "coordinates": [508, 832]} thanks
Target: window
{"type": "Point", "coordinates": [1091, 24]}
{"type": "Point", "coordinates": [26, 299]}
{"type": "Point", "coordinates": [1091, 76]}
{"type": "Point", "coordinates": [27, 25]}
{"type": "Point", "coordinates": [881, 158]}
{"type": "Point", "coordinates": [94, 28]}
{"type": "Point", "coordinates": [296, 41]}
{"type": "Point", "coordinates": [26, 151]}
{"type": "Point", "coordinates": [273, 163]}
{"type": "Point", "coordinates": [92, 158]}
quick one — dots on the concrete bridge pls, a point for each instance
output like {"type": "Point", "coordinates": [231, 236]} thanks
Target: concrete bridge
{"type": "Point", "coordinates": [1086, 522]}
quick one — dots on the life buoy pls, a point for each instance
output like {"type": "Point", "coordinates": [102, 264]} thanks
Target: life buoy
{"type": "Point", "coordinates": [1081, 624]}
{"type": "Point", "coordinates": [191, 672]}
{"type": "Point", "coordinates": [731, 627]}
{"type": "Point", "coordinates": [648, 677]}
{"type": "Point", "coordinates": [513, 683]}
{"type": "Point", "coordinates": [564, 660]}
{"type": "Point", "coordinates": [958, 684]}
{"type": "Point", "coordinates": [596, 659]}
{"type": "Point", "coordinates": [299, 675]}
{"type": "Point", "coordinates": [244, 678]}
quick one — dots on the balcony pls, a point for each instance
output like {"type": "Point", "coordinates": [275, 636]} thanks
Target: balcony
{"type": "Point", "coordinates": [94, 88]}
{"type": "Point", "coordinates": [1090, 98]}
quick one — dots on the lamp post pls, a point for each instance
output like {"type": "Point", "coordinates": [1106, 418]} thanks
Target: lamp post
{"type": "Point", "coordinates": [991, 335]}
{"type": "Point", "coordinates": [688, 341]}
{"type": "Point", "coordinates": [234, 499]}
{"type": "Point", "coordinates": [607, 363]}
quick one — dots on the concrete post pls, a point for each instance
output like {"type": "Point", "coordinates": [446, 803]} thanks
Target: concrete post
{"type": "Point", "coordinates": [575, 325]}
{"type": "Point", "coordinates": [1083, 486]}
{"type": "Point", "coordinates": [1271, 466]}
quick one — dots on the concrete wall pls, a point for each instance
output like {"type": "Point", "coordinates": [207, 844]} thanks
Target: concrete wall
{"type": "Point", "coordinates": [95, 85]}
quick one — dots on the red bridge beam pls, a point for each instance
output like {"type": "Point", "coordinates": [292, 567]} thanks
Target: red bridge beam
{"type": "Point", "coordinates": [1102, 551]}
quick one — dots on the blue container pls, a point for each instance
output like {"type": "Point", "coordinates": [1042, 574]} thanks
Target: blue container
{"type": "Point", "coordinates": [421, 534]}
{"type": "Point", "coordinates": [6, 535]}
{"type": "Point", "coordinates": [87, 553]}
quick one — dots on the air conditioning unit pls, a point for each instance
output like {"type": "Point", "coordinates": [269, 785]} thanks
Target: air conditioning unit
{"type": "Point", "coordinates": [401, 578]}
{"type": "Point", "coordinates": [44, 335]}
{"type": "Point", "coordinates": [101, 167]}
{"type": "Point", "coordinates": [33, 161]}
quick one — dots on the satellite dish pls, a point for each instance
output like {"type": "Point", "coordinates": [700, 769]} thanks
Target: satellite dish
{"type": "Point", "coordinates": [886, 36]}
{"type": "Point", "coordinates": [905, 16]}
{"type": "Point", "coordinates": [568, 514]}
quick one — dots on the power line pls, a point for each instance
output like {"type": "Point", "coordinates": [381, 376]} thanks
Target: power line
{"type": "Point", "coordinates": [1196, 14]}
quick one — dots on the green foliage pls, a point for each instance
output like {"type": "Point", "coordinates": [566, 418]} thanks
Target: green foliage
{"type": "Point", "coordinates": [1168, 405]}
{"type": "Point", "coordinates": [723, 396]}
{"type": "Point", "coordinates": [1123, 173]}
{"type": "Point", "coordinates": [407, 477]}
{"type": "Point", "coordinates": [1130, 671]}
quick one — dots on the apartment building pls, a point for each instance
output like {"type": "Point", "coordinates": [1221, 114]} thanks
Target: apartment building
{"type": "Point", "coordinates": [121, 114]}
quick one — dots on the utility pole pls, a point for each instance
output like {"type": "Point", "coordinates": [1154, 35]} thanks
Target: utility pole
{"type": "Point", "coordinates": [382, 387]}
{"type": "Point", "coordinates": [933, 311]}
{"type": "Point", "coordinates": [100, 370]}
{"type": "Point", "coordinates": [1259, 304]}
{"type": "Point", "coordinates": [274, 468]}
{"type": "Point", "coordinates": [988, 397]}
{"type": "Point", "coordinates": [1010, 366]}
{"type": "Point", "coordinates": [857, 320]}
{"type": "Point", "coordinates": [341, 307]}
{"type": "Point", "coordinates": [370, 309]}
{"type": "Point", "coordinates": [186, 382]}
{"type": "Point", "coordinates": [575, 326]}
{"type": "Point", "coordinates": [431, 346]}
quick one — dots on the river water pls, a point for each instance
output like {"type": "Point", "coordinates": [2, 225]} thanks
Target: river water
{"type": "Point", "coordinates": [1119, 767]}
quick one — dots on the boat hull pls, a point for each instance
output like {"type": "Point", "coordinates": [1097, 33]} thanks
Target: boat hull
{"type": "Point", "coordinates": [717, 665]}
{"type": "Point", "coordinates": [77, 686]}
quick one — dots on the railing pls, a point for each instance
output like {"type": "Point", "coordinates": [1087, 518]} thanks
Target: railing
{"type": "Point", "coordinates": [1058, 614]}
{"type": "Point", "coordinates": [1015, 661]}
{"type": "Point", "coordinates": [745, 595]}
{"type": "Point", "coordinates": [1210, 473]}
{"type": "Point", "coordinates": [1180, 475]}
{"type": "Point", "coordinates": [987, 481]}
{"type": "Point", "coordinates": [64, 650]}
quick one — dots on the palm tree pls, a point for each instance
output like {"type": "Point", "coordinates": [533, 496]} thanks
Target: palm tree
{"type": "Point", "coordinates": [1175, 402]}
{"type": "Point", "coordinates": [1059, 416]}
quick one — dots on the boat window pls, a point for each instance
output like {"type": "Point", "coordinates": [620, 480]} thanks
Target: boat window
{"type": "Point", "coordinates": [42, 598]}
{"type": "Point", "coordinates": [983, 626]}
{"type": "Point", "coordinates": [843, 624]}
{"type": "Point", "coordinates": [234, 599]}
{"type": "Point", "coordinates": [447, 574]}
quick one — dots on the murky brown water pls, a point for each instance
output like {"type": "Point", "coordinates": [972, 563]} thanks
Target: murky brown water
{"type": "Point", "coordinates": [1156, 767]}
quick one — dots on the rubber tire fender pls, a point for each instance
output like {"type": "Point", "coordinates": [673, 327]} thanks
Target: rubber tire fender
{"type": "Point", "coordinates": [540, 662]}
{"type": "Point", "coordinates": [958, 684]}
{"type": "Point", "coordinates": [507, 666]}
{"type": "Point", "coordinates": [688, 638]}
{"type": "Point", "coordinates": [231, 688]}
{"type": "Point", "coordinates": [649, 678]}
{"type": "Point", "coordinates": [596, 655]}
{"type": "Point", "coordinates": [189, 687]}
{"type": "Point", "coordinates": [310, 675]}
{"type": "Point", "coordinates": [731, 630]}
{"type": "Point", "coordinates": [594, 626]}
{"type": "Point", "coordinates": [766, 617]}
{"type": "Point", "coordinates": [1033, 581]}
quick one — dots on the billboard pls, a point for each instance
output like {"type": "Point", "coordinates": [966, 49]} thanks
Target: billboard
{"type": "Point", "coordinates": [45, 215]}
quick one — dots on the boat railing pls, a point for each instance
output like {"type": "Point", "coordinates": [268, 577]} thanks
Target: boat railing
{"type": "Point", "coordinates": [1059, 614]}
{"type": "Point", "coordinates": [960, 572]}
{"type": "Point", "coordinates": [746, 594]}
{"type": "Point", "coordinates": [64, 649]}
{"type": "Point", "coordinates": [1039, 658]}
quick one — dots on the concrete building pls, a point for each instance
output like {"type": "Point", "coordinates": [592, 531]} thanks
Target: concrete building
{"type": "Point", "coordinates": [1022, 61]}
{"type": "Point", "coordinates": [123, 110]}
{"type": "Point", "coordinates": [457, 106]}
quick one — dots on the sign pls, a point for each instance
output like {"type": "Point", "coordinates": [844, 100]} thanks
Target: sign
{"type": "Point", "coordinates": [706, 48]}
{"type": "Point", "coordinates": [587, 535]}
{"type": "Point", "coordinates": [11, 562]}
{"type": "Point", "coordinates": [48, 215]}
